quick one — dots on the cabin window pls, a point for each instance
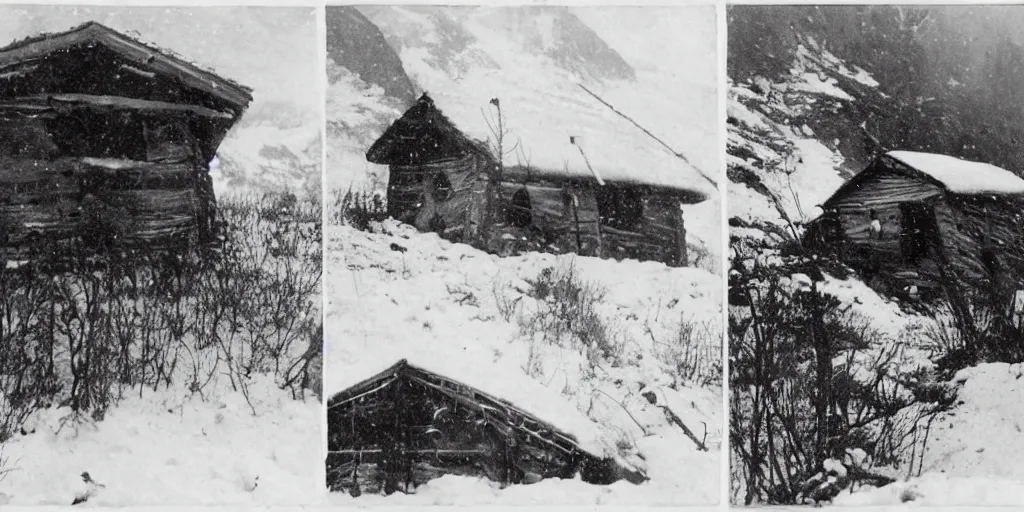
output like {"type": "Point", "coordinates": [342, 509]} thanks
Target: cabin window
{"type": "Point", "coordinates": [620, 207]}
{"type": "Point", "coordinates": [442, 188]}
{"type": "Point", "coordinates": [920, 231]}
{"type": "Point", "coordinates": [520, 213]}
{"type": "Point", "coordinates": [166, 143]}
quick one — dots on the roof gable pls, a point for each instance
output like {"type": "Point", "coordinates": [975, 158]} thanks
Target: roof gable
{"type": "Point", "coordinates": [422, 135]}
{"type": "Point", "coordinates": [23, 57]}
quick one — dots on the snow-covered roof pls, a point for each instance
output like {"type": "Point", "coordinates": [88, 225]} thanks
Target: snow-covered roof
{"type": "Point", "coordinates": [962, 176]}
{"type": "Point", "coordinates": [553, 127]}
{"type": "Point", "coordinates": [514, 386]}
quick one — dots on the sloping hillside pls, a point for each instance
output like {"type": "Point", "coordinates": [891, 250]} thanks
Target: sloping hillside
{"type": "Point", "coordinates": [533, 61]}
{"type": "Point", "coordinates": [803, 117]}
{"type": "Point", "coordinates": [475, 317]}
{"type": "Point", "coordinates": [648, 351]}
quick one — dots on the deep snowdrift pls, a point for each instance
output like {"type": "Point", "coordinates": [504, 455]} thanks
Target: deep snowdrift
{"type": "Point", "coordinates": [973, 455]}
{"type": "Point", "coordinates": [400, 294]}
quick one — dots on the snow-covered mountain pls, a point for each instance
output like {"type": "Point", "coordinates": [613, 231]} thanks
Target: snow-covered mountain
{"type": "Point", "coordinates": [273, 50]}
{"type": "Point", "coordinates": [802, 107]}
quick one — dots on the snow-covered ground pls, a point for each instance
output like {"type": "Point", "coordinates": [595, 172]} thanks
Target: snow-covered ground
{"type": "Point", "coordinates": [397, 293]}
{"type": "Point", "coordinates": [973, 455]}
{"type": "Point", "coordinates": [173, 448]}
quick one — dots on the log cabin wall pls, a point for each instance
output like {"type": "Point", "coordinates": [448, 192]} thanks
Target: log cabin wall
{"type": "Point", "coordinates": [142, 169]}
{"type": "Point", "coordinates": [987, 224]}
{"type": "Point", "coordinates": [443, 197]}
{"type": "Point", "coordinates": [658, 232]}
{"type": "Point", "coordinates": [642, 223]}
{"type": "Point", "coordinates": [664, 229]}
{"type": "Point", "coordinates": [882, 193]}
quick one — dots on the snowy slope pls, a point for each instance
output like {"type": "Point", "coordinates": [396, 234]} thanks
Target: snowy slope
{"type": "Point", "coordinates": [779, 164]}
{"type": "Point", "coordinates": [357, 113]}
{"type": "Point", "coordinates": [437, 304]}
{"type": "Point", "coordinates": [973, 456]}
{"type": "Point", "coordinates": [396, 293]}
{"type": "Point", "coordinates": [533, 60]}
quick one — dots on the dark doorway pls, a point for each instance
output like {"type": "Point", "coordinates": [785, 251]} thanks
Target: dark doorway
{"type": "Point", "coordinates": [519, 211]}
{"type": "Point", "coordinates": [620, 207]}
{"type": "Point", "coordinates": [920, 231]}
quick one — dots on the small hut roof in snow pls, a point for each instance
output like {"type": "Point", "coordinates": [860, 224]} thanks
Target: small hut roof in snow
{"type": "Point", "coordinates": [403, 369]}
{"type": "Point", "coordinates": [962, 176]}
{"type": "Point", "coordinates": [558, 137]}
{"type": "Point", "coordinates": [408, 416]}
{"type": "Point", "coordinates": [953, 174]}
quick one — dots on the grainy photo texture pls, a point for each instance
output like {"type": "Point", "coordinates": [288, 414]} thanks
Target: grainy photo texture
{"type": "Point", "coordinates": [875, 205]}
{"type": "Point", "coordinates": [524, 292]}
{"type": "Point", "coordinates": [160, 234]}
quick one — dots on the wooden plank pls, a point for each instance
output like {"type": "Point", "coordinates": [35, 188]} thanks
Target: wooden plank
{"type": "Point", "coordinates": [30, 174]}
{"type": "Point", "coordinates": [95, 102]}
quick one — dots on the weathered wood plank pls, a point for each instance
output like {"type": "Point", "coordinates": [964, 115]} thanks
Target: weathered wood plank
{"type": "Point", "coordinates": [95, 102]}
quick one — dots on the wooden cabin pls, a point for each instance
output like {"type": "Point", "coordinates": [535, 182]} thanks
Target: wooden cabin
{"type": "Point", "coordinates": [910, 219]}
{"type": "Point", "coordinates": [441, 180]}
{"type": "Point", "coordinates": [96, 127]}
{"type": "Point", "coordinates": [406, 426]}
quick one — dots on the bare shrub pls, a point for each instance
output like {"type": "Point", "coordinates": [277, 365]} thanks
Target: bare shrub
{"type": "Point", "coordinates": [566, 315]}
{"type": "Point", "coordinates": [84, 321]}
{"type": "Point", "coordinates": [785, 422]}
{"type": "Point", "coordinates": [357, 208]}
{"type": "Point", "coordinates": [693, 353]}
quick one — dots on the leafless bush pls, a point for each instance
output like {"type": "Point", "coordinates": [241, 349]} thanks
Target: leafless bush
{"type": "Point", "coordinates": [693, 353]}
{"type": "Point", "coordinates": [982, 321]}
{"type": "Point", "coordinates": [789, 413]}
{"type": "Point", "coordinates": [357, 208]}
{"type": "Point", "coordinates": [566, 315]}
{"type": "Point", "coordinates": [83, 322]}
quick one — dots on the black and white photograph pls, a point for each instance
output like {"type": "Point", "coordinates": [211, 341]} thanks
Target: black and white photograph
{"type": "Point", "coordinates": [160, 231]}
{"type": "Point", "coordinates": [875, 205]}
{"type": "Point", "coordinates": [524, 288]}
